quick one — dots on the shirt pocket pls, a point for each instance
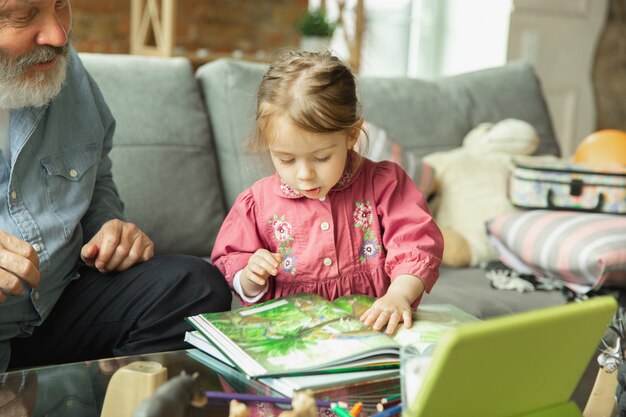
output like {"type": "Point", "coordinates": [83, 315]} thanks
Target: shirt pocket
{"type": "Point", "coordinates": [70, 178]}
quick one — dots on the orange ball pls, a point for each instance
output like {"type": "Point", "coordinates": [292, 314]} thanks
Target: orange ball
{"type": "Point", "coordinates": [602, 148]}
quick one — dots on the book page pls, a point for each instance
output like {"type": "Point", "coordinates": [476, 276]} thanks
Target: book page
{"type": "Point", "coordinates": [430, 321]}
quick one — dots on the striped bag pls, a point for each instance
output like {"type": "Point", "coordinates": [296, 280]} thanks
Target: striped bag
{"type": "Point", "coordinates": [585, 250]}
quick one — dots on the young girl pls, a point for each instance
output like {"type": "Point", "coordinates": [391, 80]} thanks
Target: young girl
{"type": "Point", "coordinates": [329, 221]}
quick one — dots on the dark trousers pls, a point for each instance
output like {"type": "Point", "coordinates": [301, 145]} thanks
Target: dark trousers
{"type": "Point", "coordinates": [140, 310]}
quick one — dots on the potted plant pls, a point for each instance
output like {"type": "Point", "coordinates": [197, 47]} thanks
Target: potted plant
{"type": "Point", "coordinates": [316, 30]}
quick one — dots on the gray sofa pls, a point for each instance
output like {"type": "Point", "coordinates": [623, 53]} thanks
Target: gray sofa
{"type": "Point", "coordinates": [179, 162]}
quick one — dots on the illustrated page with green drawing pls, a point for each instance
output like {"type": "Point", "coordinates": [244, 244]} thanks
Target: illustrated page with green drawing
{"type": "Point", "coordinates": [306, 333]}
{"type": "Point", "coordinates": [430, 321]}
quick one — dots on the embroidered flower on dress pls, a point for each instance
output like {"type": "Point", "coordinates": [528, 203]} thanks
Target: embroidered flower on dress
{"type": "Point", "coordinates": [363, 215]}
{"type": "Point", "coordinates": [369, 249]}
{"type": "Point", "coordinates": [289, 264]}
{"type": "Point", "coordinates": [283, 232]}
{"type": "Point", "coordinates": [345, 179]}
{"type": "Point", "coordinates": [288, 190]}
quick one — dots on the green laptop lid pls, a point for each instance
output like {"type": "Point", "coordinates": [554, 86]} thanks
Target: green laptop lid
{"type": "Point", "coordinates": [516, 365]}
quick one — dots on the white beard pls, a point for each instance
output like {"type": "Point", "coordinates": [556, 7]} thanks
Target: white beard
{"type": "Point", "coordinates": [18, 91]}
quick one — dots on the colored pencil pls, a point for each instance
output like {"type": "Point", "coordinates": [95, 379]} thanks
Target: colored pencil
{"type": "Point", "coordinates": [260, 398]}
{"type": "Point", "coordinates": [390, 398]}
{"type": "Point", "coordinates": [356, 409]}
{"type": "Point", "coordinates": [339, 410]}
{"type": "Point", "coordinates": [388, 412]}
{"type": "Point", "coordinates": [386, 403]}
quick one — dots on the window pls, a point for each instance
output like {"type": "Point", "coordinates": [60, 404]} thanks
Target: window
{"type": "Point", "coordinates": [426, 38]}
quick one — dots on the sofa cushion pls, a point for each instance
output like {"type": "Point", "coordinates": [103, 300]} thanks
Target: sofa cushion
{"type": "Point", "coordinates": [586, 249]}
{"type": "Point", "coordinates": [229, 88]}
{"type": "Point", "coordinates": [423, 116]}
{"type": "Point", "coordinates": [163, 160]}
{"type": "Point", "coordinates": [436, 115]}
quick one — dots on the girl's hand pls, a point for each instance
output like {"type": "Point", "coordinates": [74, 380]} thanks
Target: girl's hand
{"type": "Point", "coordinates": [390, 309]}
{"type": "Point", "coordinates": [261, 265]}
{"type": "Point", "coordinates": [395, 306]}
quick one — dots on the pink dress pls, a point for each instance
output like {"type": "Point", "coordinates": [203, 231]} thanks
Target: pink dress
{"type": "Point", "coordinates": [369, 229]}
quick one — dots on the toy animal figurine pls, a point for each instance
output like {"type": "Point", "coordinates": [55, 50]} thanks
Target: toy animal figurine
{"type": "Point", "coordinates": [172, 399]}
{"type": "Point", "coordinates": [471, 187]}
{"type": "Point", "coordinates": [238, 409]}
{"type": "Point", "coordinates": [303, 405]}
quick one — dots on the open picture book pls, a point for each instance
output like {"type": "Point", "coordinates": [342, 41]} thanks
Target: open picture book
{"type": "Point", "coordinates": [304, 334]}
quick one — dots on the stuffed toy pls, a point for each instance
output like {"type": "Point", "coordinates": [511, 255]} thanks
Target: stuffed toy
{"type": "Point", "coordinates": [302, 403]}
{"type": "Point", "coordinates": [471, 187]}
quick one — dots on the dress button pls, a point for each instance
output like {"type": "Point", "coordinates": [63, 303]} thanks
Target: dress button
{"type": "Point", "coordinates": [73, 173]}
{"type": "Point", "coordinates": [323, 198]}
{"type": "Point", "coordinates": [328, 261]}
{"type": "Point", "coordinates": [37, 247]}
{"type": "Point", "coordinates": [13, 195]}
{"type": "Point", "coordinates": [324, 226]}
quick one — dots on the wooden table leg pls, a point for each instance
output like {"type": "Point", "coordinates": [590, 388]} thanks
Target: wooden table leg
{"type": "Point", "coordinates": [602, 401]}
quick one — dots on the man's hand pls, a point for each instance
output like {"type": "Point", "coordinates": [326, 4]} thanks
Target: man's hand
{"type": "Point", "coordinates": [116, 247]}
{"type": "Point", "coordinates": [261, 265]}
{"type": "Point", "coordinates": [18, 260]}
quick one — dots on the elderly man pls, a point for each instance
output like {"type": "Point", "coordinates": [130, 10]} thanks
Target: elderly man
{"type": "Point", "coordinates": [77, 281]}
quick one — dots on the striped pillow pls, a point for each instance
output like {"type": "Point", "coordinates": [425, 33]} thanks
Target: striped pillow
{"type": "Point", "coordinates": [586, 250]}
{"type": "Point", "coordinates": [383, 148]}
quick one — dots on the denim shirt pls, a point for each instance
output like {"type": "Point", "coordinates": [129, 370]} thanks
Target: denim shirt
{"type": "Point", "coordinates": [56, 192]}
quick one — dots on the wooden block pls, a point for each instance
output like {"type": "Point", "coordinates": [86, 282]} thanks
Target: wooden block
{"type": "Point", "coordinates": [130, 385]}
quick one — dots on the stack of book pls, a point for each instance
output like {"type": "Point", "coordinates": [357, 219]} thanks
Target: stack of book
{"type": "Point", "coordinates": [304, 341]}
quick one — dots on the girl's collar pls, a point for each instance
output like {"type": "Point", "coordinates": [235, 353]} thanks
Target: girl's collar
{"type": "Point", "coordinates": [350, 173]}
{"type": "Point", "coordinates": [282, 189]}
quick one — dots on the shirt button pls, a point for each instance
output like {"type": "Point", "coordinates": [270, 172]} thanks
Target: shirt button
{"type": "Point", "coordinates": [324, 226]}
{"type": "Point", "coordinates": [13, 195]}
{"type": "Point", "coordinates": [36, 295]}
{"type": "Point", "coordinates": [323, 198]}
{"type": "Point", "coordinates": [328, 261]}
{"type": "Point", "coordinates": [37, 247]}
{"type": "Point", "coordinates": [73, 173]}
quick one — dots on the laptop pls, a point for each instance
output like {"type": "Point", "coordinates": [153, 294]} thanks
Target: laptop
{"type": "Point", "coordinates": [525, 364]}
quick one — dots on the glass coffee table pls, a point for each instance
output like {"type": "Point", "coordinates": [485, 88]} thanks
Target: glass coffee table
{"type": "Point", "coordinates": [79, 389]}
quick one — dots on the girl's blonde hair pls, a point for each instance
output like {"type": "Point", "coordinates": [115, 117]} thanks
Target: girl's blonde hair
{"type": "Point", "coordinates": [316, 91]}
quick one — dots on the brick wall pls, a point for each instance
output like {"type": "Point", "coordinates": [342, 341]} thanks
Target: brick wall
{"type": "Point", "coordinates": [217, 25]}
